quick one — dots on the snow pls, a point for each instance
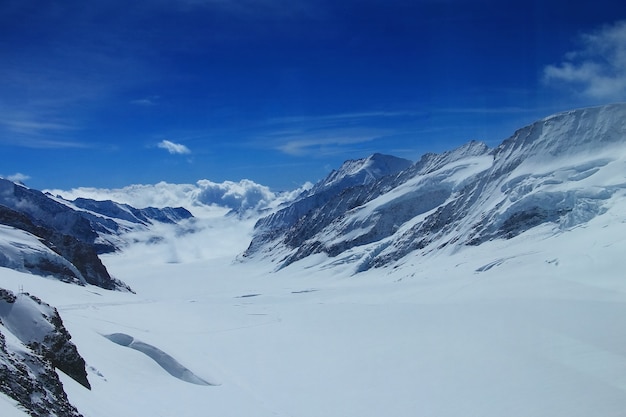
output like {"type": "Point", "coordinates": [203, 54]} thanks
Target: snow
{"type": "Point", "coordinates": [168, 363]}
{"type": "Point", "coordinates": [8, 407]}
{"type": "Point", "coordinates": [19, 248]}
{"type": "Point", "coordinates": [529, 326]}
{"type": "Point", "coordinates": [26, 319]}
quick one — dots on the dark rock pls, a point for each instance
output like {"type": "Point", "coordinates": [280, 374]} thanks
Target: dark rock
{"type": "Point", "coordinates": [78, 253]}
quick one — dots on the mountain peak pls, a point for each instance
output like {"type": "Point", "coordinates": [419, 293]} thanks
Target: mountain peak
{"type": "Point", "coordinates": [362, 171]}
{"type": "Point", "coordinates": [560, 170]}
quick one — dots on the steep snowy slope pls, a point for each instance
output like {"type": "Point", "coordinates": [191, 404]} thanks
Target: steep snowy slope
{"type": "Point", "coordinates": [22, 251]}
{"type": "Point", "coordinates": [33, 341]}
{"type": "Point", "coordinates": [360, 172]}
{"type": "Point", "coordinates": [324, 201]}
{"type": "Point", "coordinates": [560, 170]}
{"type": "Point", "coordinates": [42, 250]}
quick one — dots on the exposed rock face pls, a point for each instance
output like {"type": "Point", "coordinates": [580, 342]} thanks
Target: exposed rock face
{"type": "Point", "coordinates": [33, 341]}
{"type": "Point", "coordinates": [558, 170]}
{"type": "Point", "coordinates": [144, 216]}
{"type": "Point", "coordinates": [77, 261]}
{"type": "Point", "coordinates": [46, 212]}
{"type": "Point", "coordinates": [317, 207]}
{"type": "Point", "coordinates": [72, 233]}
{"type": "Point", "coordinates": [93, 222]}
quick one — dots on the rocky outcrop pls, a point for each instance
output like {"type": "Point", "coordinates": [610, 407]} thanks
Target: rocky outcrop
{"type": "Point", "coordinates": [82, 263]}
{"type": "Point", "coordinates": [33, 342]}
{"type": "Point", "coordinates": [45, 212]}
{"type": "Point", "coordinates": [74, 233]}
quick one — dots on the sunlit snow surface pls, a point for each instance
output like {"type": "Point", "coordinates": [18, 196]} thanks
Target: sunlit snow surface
{"type": "Point", "coordinates": [533, 326]}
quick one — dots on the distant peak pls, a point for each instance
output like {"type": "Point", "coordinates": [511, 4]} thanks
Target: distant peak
{"type": "Point", "coordinates": [363, 171]}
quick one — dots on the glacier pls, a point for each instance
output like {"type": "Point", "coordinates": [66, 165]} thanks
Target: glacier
{"type": "Point", "coordinates": [481, 281]}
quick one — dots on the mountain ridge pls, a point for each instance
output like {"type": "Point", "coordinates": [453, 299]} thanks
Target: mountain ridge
{"type": "Point", "coordinates": [63, 239]}
{"type": "Point", "coordinates": [466, 196]}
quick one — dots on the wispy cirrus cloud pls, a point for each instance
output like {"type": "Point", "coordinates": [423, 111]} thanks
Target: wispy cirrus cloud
{"type": "Point", "coordinates": [146, 101]}
{"type": "Point", "coordinates": [38, 128]}
{"type": "Point", "coordinates": [348, 117]}
{"type": "Point", "coordinates": [326, 143]}
{"type": "Point", "coordinates": [598, 68]}
{"type": "Point", "coordinates": [338, 133]}
{"type": "Point", "coordinates": [174, 148]}
{"type": "Point", "coordinates": [30, 126]}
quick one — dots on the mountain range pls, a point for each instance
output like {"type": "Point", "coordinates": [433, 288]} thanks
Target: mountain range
{"type": "Point", "coordinates": [373, 216]}
{"type": "Point", "coordinates": [561, 170]}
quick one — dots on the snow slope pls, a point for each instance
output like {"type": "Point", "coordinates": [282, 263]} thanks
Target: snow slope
{"type": "Point", "coordinates": [561, 170]}
{"type": "Point", "coordinates": [33, 343]}
{"type": "Point", "coordinates": [527, 325]}
{"type": "Point", "coordinates": [25, 252]}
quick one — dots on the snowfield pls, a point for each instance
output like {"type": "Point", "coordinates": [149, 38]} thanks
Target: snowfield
{"type": "Point", "coordinates": [532, 326]}
{"type": "Point", "coordinates": [475, 282]}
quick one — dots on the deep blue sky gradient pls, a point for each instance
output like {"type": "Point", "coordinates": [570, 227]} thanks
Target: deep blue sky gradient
{"type": "Point", "coordinates": [282, 91]}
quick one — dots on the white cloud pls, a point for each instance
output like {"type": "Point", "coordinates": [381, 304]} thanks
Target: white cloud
{"type": "Point", "coordinates": [17, 177]}
{"type": "Point", "coordinates": [173, 148]}
{"type": "Point", "coordinates": [241, 196]}
{"type": "Point", "coordinates": [599, 67]}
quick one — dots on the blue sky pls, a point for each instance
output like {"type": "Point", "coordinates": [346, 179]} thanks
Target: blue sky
{"type": "Point", "coordinates": [108, 93]}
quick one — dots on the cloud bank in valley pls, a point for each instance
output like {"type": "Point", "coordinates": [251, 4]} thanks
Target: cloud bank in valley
{"type": "Point", "coordinates": [238, 196]}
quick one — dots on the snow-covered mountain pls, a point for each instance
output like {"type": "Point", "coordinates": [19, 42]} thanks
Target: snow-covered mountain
{"type": "Point", "coordinates": [360, 172]}
{"type": "Point", "coordinates": [562, 170]}
{"type": "Point", "coordinates": [324, 199]}
{"type": "Point", "coordinates": [43, 250]}
{"type": "Point", "coordinates": [50, 236]}
{"type": "Point", "coordinates": [490, 282]}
